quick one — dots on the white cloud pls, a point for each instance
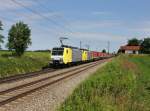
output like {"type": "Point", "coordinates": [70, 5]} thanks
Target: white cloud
{"type": "Point", "coordinates": [100, 13]}
{"type": "Point", "coordinates": [97, 36]}
{"type": "Point", "coordinates": [6, 5]}
{"type": "Point", "coordinates": [94, 25]}
{"type": "Point", "coordinates": [141, 27]}
{"type": "Point", "coordinates": [29, 18]}
{"type": "Point", "coordinates": [49, 15]}
{"type": "Point", "coordinates": [142, 30]}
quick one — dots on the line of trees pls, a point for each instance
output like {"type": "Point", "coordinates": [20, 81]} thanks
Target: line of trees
{"type": "Point", "coordinates": [19, 38]}
{"type": "Point", "coordinates": [145, 44]}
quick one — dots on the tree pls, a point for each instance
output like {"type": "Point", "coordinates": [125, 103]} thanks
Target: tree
{"type": "Point", "coordinates": [104, 51]}
{"type": "Point", "coordinates": [146, 46]}
{"type": "Point", "coordinates": [19, 38]}
{"type": "Point", "coordinates": [1, 36]}
{"type": "Point", "coordinates": [134, 42]}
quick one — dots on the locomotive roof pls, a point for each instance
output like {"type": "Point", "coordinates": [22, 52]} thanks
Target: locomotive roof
{"type": "Point", "coordinates": [85, 49]}
{"type": "Point", "coordinates": [66, 46]}
{"type": "Point", "coordinates": [69, 46]}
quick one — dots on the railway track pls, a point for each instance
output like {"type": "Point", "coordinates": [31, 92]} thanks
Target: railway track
{"type": "Point", "coordinates": [26, 75]}
{"type": "Point", "coordinates": [16, 92]}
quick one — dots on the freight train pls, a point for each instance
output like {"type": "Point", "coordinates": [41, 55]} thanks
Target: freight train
{"type": "Point", "coordinates": [73, 55]}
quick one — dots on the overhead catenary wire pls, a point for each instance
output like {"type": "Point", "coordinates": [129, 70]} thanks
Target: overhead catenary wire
{"type": "Point", "coordinates": [41, 15]}
{"type": "Point", "coordinates": [49, 10]}
{"type": "Point", "coordinates": [43, 6]}
{"type": "Point", "coordinates": [5, 19]}
{"type": "Point", "coordinates": [61, 17]}
{"type": "Point", "coordinates": [12, 20]}
{"type": "Point", "coordinates": [45, 17]}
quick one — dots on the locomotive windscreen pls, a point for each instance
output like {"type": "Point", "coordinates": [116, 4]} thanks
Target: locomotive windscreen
{"type": "Point", "coordinates": [57, 51]}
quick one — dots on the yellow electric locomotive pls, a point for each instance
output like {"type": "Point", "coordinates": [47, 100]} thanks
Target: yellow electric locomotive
{"type": "Point", "coordinates": [65, 55]}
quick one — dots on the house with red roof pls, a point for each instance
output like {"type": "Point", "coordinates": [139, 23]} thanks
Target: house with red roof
{"type": "Point", "coordinates": [130, 49]}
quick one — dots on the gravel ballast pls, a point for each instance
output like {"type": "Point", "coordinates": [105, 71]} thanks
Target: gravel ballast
{"type": "Point", "coordinates": [49, 98]}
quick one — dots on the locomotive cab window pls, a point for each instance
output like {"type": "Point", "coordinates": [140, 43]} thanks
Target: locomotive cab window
{"type": "Point", "coordinates": [57, 51]}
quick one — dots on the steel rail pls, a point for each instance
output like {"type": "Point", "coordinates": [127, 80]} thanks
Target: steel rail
{"type": "Point", "coordinates": [13, 98]}
{"type": "Point", "coordinates": [40, 80]}
{"type": "Point", "coordinates": [25, 75]}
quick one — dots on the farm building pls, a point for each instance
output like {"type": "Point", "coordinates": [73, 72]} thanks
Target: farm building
{"type": "Point", "coordinates": [130, 49]}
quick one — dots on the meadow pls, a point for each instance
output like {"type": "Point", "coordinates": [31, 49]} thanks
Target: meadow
{"type": "Point", "coordinates": [121, 85]}
{"type": "Point", "coordinates": [29, 62]}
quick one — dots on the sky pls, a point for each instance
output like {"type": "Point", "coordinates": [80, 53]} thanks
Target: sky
{"type": "Point", "coordinates": [94, 22]}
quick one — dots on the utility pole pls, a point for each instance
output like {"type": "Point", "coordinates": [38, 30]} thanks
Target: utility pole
{"type": "Point", "coordinates": [80, 44]}
{"type": "Point", "coordinates": [108, 43]}
{"type": "Point", "coordinates": [88, 46]}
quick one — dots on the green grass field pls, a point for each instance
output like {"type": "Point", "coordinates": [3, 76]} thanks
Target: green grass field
{"type": "Point", "coordinates": [29, 62]}
{"type": "Point", "coordinates": [121, 85]}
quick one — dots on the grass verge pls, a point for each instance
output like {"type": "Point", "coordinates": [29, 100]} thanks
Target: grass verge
{"type": "Point", "coordinates": [121, 85]}
{"type": "Point", "coordinates": [29, 62]}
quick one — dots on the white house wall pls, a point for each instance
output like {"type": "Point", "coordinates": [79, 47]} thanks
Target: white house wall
{"type": "Point", "coordinates": [131, 52]}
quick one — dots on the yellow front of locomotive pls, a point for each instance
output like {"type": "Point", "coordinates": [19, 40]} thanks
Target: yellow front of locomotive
{"type": "Point", "coordinates": [67, 55]}
{"type": "Point", "coordinates": [84, 55]}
